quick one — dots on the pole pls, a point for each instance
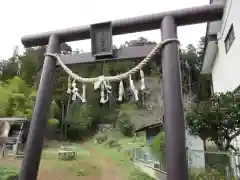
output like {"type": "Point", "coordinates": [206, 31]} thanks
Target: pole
{"type": "Point", "coordinates": [32, 154]}
{"type": "Point", "coordinates": [173, 107]}
{"type": "Point", "coordinates": [62, 108]}
{"type": "Point", "coordinates": [65, 122]}
{"type": "Point", "coordinates": [234, 165]}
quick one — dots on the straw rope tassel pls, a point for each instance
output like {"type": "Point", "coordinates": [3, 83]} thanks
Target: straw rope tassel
{"type": "Point", "coordinates": [76, 93]}
{"type": "Point", "coordinates": [84, 93]}
{"type": "Point", "coordinates": [120, 91]}
{"type": "Point", "coordinates": [102, 94]}
{"type": "Point", "coordinates": [69, 85]}
{"type": "Point", "coordinates": [133, 88]}
{"type": "Point", "coordinates": [74, 90]}
{"type": "Point", "coordinates": [142, 81]}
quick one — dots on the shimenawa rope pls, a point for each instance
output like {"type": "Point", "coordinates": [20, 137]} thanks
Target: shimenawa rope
{"type": "Point", "coordinates": [103, 82]}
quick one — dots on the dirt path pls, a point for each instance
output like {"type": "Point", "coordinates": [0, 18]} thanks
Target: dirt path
{"type": "Point", "coordinates": [110, 171]}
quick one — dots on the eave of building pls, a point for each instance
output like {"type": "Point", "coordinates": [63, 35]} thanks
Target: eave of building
{"type": "Point", "coordinates": [211, 51]}
{"type": "Point", "coordinates": [144, 128]}
{"type": "Point", "coordinates": [211, 46]}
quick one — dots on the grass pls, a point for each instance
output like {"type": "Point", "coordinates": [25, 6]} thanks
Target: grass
{"type": "Point", "coordinates": [83, 166]}
{"type": "Point", "coordinates": [51, 168]}
{"type": "Point", "coordinates": [139, 175]}
{"type": "Point", "coordinates": [86, 166]}
{"type": "Point", "coordinates": [6, 171]}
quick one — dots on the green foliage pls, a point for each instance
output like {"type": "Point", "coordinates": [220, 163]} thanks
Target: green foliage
{"type": "Point", "coordinates": [20, 76]}
{"type": "Point", "coordinates": [79, 118]}
{"type": "Point", "coordinates": [8, 69]}
{"type": "Point", "coordinates": [31, 64]}
{"type": "Point", "coordinates": [217, 162]}
{"type": "Point", "coordinates": [79, 115]}
{"type": "Point", "coordinates": [125, 126]}
{"type": "Point", "coordinates": [206, 175]}
{"type": "Point", "coordinates": [217, 119]}
{"type": "Point", "coordinates": [8, 173]}
{"type": "Point", "coordinates": [139, 175]}
{"type": "Point", "coordinates": [53, 121]}
{"type": "Point", "coordinates": [16, 98]}
{"type": "Point", "coordinates": [158, 148]}
{"type": "Point", "coordinates": [101, 137]}
{"type": "Point", "coordinates": [112, 142]}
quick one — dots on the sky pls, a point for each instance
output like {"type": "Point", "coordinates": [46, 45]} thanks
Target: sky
{"type": "Point", "coordinates": [23, 17]}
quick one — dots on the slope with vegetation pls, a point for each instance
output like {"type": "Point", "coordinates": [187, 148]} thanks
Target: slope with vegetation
{"type": "Point", "coordinates": [20, 76]}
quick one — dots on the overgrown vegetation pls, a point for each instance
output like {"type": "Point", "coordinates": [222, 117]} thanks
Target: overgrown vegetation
{"type": "Point", "coordinates": [79, 121]}
{"type": "Point", "coordinates": [8, 173]}
{"type": "Point", "coordinates": [158, 149]}
{"type": "Point", "coordinates": [139, 175]}
{"type": "Point", "coordinates": [216, 119]}
{"type": "Point", "coordinates": [125, 126]}
{"type": "Point", "coordinates": [206, 175]}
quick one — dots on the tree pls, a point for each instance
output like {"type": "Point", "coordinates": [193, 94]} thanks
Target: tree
{"type": "Point", "coordinates": [18, 99]}
{"type": "Point", "coordinates": [9, 69]}
{"type": "Point", "coordinates": [217, 119]}
{"type": "Point", "coordinates": [201, 51]}
{"type": "Point", "coordinates": [65, 48]}
{"type": "Point", "coordinates": [198, 122]}
{"type": "Point", "coordinates": [141, 41]}
{"type": "Point", "coordinates": [125, 125]}
{"type": "Point", "coordinates": [189, 68]}
{"type": "Point", "coordinates": [31, 64]}
{"type": "Point", "coordinates": [158, 149]}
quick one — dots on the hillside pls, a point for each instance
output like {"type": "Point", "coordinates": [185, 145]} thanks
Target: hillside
{"type": "Point", "coordinates": [152, 110]}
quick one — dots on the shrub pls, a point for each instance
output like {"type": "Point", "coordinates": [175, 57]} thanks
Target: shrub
{"type": "Point", "coordinates": [206, 175]}
{"type": "Point", "coordinates": [125, 126]}
{"type": "Point", "coordinates": [219, 162]}
{"type": "Point", "coordinates": [8, 173]}
{"type": "Point", "coordinates": [12, 177]}
{"type": "Point", "coordinates": [139, 175]}
{"type": "Point", "coordinates": [53, 121]}
{"type": "Point", "coordinates": [100, 138]}
{"type": "Point", "coordinates": [158, 148]}
{"type": "Point", "coordinates": [112, 142]}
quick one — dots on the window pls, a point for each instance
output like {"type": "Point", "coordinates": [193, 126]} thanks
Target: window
{"type": "Point", "coordinates": [229, 38]}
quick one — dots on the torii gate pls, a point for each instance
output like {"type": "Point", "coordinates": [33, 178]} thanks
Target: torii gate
{"type": "Point", "coordinates": [173, 108]}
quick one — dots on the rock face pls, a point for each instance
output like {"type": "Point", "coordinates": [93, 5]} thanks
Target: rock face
{"type": "Point", "coordinates": [152, 109]}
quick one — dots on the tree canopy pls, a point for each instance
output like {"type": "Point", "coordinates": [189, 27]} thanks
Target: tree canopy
{"type": "Point", "coordinates": [216, 119]}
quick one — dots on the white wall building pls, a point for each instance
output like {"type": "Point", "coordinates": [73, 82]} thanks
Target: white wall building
{"type": "Point", "coordinates": [222, 52]}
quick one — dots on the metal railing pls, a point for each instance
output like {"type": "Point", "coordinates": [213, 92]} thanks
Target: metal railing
{"type": "Point", "coordinates": [144, 155]}
{"type": "Point", "coordinates": [201, 164]}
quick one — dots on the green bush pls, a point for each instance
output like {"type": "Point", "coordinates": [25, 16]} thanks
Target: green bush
{"type": "Point", "coordinates": [206, 175]}
{"type": "Point", "coordinates": [100, 138]}
{"type": "Point", "coordinates": [158, 148]}
{"type": "Point", "coordinates": [8, 173]}
{"type": "Point", "coordinates": [139, 175]}
{"type": "Point", "coordinates": [125, 126]}
{"type": "Point", "coordinates": [113, 142]}
{"type": "Point", "coordinates": [219, 162]}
